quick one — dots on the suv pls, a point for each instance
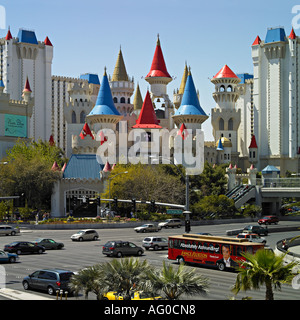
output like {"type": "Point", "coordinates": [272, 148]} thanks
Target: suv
{"type": "Point", "coordinates": [268, 220]}
{"type": "Point", "coordinates": [251, 237]}
{"type": "Point", "coordinates": [170, 223]}
{"type": "Point", "coordinates": [120, 248]}
{"type": "Point", "coordinates": [8, 230]}
{"type": "Point", "coordinates": [87, 234]}
{"type": "Point", "coordinates": [49, 280]}
{"type": "Point", "coordinates": [155, 243]}
{"type": "Point", "coordinates": [256, 229]}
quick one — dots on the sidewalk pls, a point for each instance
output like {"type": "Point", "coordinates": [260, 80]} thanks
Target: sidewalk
{"type": "Point", "coordinates": [20, 295]}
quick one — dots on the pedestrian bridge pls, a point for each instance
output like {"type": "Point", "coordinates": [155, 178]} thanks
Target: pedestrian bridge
{"type": "Point", "coordinates": [267, 193]}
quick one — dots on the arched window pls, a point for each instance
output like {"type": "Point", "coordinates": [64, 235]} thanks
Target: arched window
{"type": "Point", "coordinates": [115, 100]}
{"type": "Point", "coordinates": [230, 124]}
{"type": "Point", "coordinates": [73, 117]}
{"type": "Point", "coordinates": [128, 100]}
{"type": "Point", "coordinates": [122, 100]}
{"type": "Point", "coordinates": [82, 117]}
{"type": "Point", "coordinates": [221, 124]}
{"type": "Point", "coordinates": [229, 88]}
{"type": "Point", "coordinates": [222, 88]}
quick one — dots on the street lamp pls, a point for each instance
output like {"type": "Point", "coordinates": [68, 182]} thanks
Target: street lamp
{"type": "Point", "coordinates": [109, 186]}
{"type": "Point", "coordinates": [187, 191]}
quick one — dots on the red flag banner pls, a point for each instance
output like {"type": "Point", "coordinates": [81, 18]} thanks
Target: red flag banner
{"type": "Point", "coordinates": [86, 131]}
{"type": "Point", "coordinates": [102, 138]}
{"type": "Point", "coordinates": [183, 131]}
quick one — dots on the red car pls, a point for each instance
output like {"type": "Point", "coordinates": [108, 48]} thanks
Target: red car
{"type": "Point", "coordinates": [268, 220]}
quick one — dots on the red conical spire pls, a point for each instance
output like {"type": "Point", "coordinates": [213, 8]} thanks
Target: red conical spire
{"type": "Point", "coordinates": [225, 72]}
{"type": "Point", "coordinates": [256, 41]}
{"type": "Point", "coordinates": [147, 117]}
{"type": "Point", "coordinates": [253, 143]}
{"type": "Point", "coordinates": [158, 67]}
{"type": "Point", "coordinates": [55, 166]}
{"type": "Point", "coordinates": [27, 86]}
{"type": "Point", "coordinates": [292, 34]}
{"type": "Point", "coordinates": [48, 42]}
{"type": "Point", "coordinates": [8, 36]}
{"type": "Point", "coordinates": [107, 167]}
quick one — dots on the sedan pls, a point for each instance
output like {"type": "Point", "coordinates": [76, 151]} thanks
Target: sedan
{"type": "Point", "coordinates": [8, 257]}
{"type": "Point", "coordinates": [23, 247]}
{"type": "Point", "coordinates": [148, 227]}
{"type": "Point", "coordinates": [48, 243]}
{"type": "Point", "coordinates": [268, 220]}
{"type": "Point", "coordinates": [252, 237]}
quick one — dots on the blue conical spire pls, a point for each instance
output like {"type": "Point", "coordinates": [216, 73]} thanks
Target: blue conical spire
{"type": "Point", "coordinates": [104, 104]}
{"type": "Point", "coordinates": [1, 83]}
{"type": "Point", "coordinates": [190, 102]}
{"type": "Point", "coordinates": [220, 145]}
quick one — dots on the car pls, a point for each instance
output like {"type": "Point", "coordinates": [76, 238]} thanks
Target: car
{"type": "Point", "coordinates": [148, 227]}
{"type": "Point", "coordinates": [252, 237]}
{"type": "Point", "coordinates": [155, 243]}
{"type": "Point", "coordinates": [8, 257]}
{"type": "Point", "coordinates": [136, 295]}
{"type": "Point", "coordinates": [121, 248]}
{"type": "Point", "coordinates": [268, 220]}
{"type": "Point", "coordinates": [8, 230]}
{"type": "Point", "coordinates": [48, 243]}
{"type": "Point", "coordinates": [170, 223]}
{"type": "Point", "coordinates": [87, 234]}
{"type": "Point", "coordinates": [19, 247]}
{"type": "Point", "coordinates": [256, 229]}
{"type": "Point", "coordinates": [49, 280]}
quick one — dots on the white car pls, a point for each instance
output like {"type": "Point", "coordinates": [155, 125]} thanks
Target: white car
{"type": "Point", "coordinates": [252, 237]}
{"type": "Point", "coordinates": [88, 234]}
{"type": "Point", "coordinates": [8, 230]}
{"type": "Point", "coordinates": [150, 227]}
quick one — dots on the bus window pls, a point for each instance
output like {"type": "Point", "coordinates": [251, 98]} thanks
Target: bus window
{"type": "Point", "coordinates": [205, 247]}
{"type": "Point", "coordinates": [171, 243]}
{"type": "Point", "coordinates": [194, 245]}
{"type": "Point", "coordinates": [239, 250]}
{"type": "Point", "coordinates": [249, 249]}
{"type": "Point", "coordinates": [217, 248]}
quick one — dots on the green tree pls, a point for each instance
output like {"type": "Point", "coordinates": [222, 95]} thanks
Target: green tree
{"type": "Point", "coordinates": [263, 268]}
{"type": "Point", "coordinates": [28, 171]}
{"type": "Point", "coordinates": [145, 182]}
{"type": "Point", "coordinates": [211, 181]}
{"type": "Point", "coordinates": [216, 205]}
{"type": "Point", "coordinates": [174, 283]}
{"type": "Point", "coordinates": [124, 275]}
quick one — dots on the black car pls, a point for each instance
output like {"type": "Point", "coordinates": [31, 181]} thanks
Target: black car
{"type": "Point", "coordinates": [49, 280]}
{"type": "Point", "coordinates": [121, 248]}
{"type": "Point", "coordinates": [19, 247]}
{"type": "Point", "coordinates": [256, 229]}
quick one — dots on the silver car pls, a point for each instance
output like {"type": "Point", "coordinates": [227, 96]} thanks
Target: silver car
{"type": "Point", "coordinates": [88, 234]}
{"type": "Point", "coordinates": [8, 230]}
{"type": "Point", "coordinates": [147, 227]}
{"type": "Point", "coordinates": [170, 223]}
{"type": "Point", "coordinates": [155, 243]}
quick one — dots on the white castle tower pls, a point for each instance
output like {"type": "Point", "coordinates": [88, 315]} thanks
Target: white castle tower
{"type": "Point", "coordinates": [276, 98]}
{"type": "Point", "coordinates": [225, 118]}
{"type": "Point", "coordinates": [24, 56]}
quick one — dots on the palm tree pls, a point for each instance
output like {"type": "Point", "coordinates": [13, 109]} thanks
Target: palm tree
{"type": "Point", "coordinates": [173, 283]}
{"type": "Point", "coordinates": [123, 275]}
{"type": "Point", "coordinates": [88, 280]}
{"type": "Point", "coordinates": [263, 268]}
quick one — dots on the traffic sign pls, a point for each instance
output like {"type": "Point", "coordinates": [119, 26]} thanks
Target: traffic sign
{"type": "Point", "coordinates": [174, 211]}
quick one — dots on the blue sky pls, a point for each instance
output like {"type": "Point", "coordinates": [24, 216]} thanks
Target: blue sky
{"type": "Point", "coordinates": [87, 35]}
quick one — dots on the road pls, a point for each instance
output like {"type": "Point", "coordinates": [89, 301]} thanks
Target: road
{"type": "Point", "coordinates": [77, 255]}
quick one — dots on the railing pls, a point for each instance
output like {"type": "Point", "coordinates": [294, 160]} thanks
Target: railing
{"type": "Point", "coordinates": [281, 183]}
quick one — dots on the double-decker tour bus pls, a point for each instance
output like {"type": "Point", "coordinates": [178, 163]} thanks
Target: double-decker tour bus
{"type": "Point", "coordinates": [222, 252]}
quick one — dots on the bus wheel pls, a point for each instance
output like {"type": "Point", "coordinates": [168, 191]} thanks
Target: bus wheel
{"type": "Point", "coordinates": [221, 266]}
{"type": "Point", "coordinates": [180, 260]}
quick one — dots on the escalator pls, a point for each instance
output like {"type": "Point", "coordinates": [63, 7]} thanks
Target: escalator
{"type": "Point", "coordinates": [242, 194]}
